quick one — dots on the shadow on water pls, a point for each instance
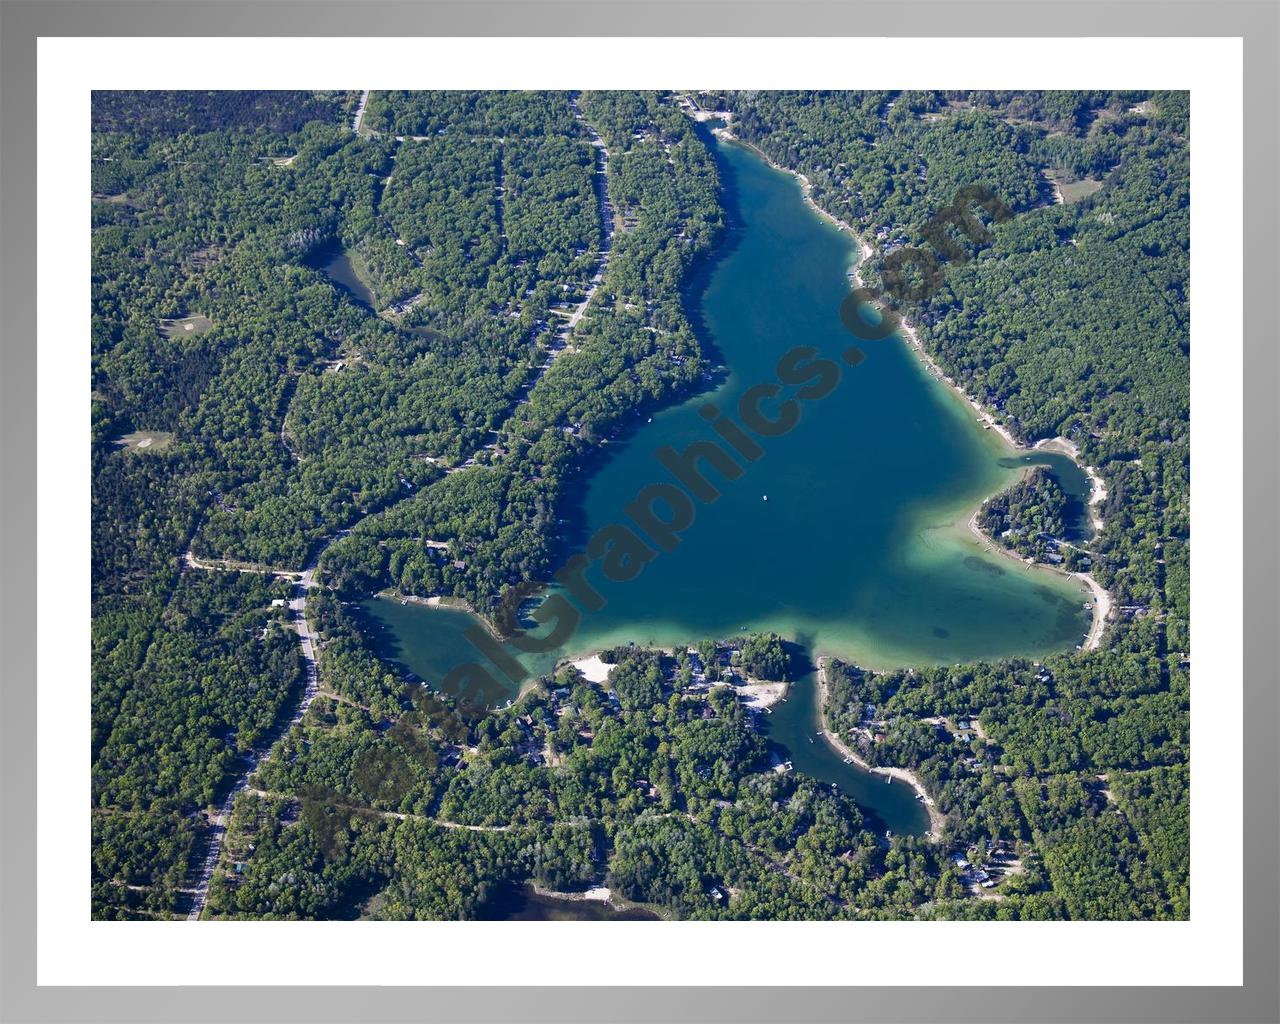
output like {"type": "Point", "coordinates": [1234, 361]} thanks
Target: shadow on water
{"type": "Point", "coordinates": [335, 263]}
{"type": "Point", "coordinates": [1075, 485]}
{"type": "Point", "coordinates": [521, 903]}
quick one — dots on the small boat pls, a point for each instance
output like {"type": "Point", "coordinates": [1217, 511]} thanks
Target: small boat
{"type": "Point", "coordinates": [650, 419]}
{"type": "Point", "coordinates": [766, 498]}
{"type": "Point", "coordinates": [887, 781]}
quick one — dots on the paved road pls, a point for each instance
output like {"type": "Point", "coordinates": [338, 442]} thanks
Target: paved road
{"type": "Point", "coordinates": [606, 220]}
{"type": "Point", "coordinates": [298, 605]}
{"type": "Point", "coordinates": [364, 102]}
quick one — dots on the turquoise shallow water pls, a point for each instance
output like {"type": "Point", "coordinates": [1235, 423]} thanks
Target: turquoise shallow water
{"type": "Point", "coordinates": [846, 535]}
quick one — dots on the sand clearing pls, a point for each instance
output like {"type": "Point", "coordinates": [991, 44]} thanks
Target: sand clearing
{"type": "Point", "coordinates": [758, 694]}
{"type": "Point", "coordinates": [595, 670]}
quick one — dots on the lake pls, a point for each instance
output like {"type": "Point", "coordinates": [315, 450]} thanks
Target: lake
{"type": "Point", "coordinates": [335, 263]}
{"type": "Point", "coordinates": [849, 535]}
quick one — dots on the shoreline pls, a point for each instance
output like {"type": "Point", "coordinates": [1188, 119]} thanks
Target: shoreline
{"type": "Point", "coordinates": [446, 601]}
{"type": "Point", "coordinates": [1102, 602]}
{"type": "Point", "coordinates": [599, 894]}
{"type": "Point", "coordinates": [756, 694]}
{"type": "Point", "coordinates": [937, 820]}
{"type": "Point", "coordinates": [762, 695]}
{"type": "Point", "coordinates": [1101, 598]}
{"type": "Point", "coordinates": [1097, 486]}
{"type": "Point", "coordinates": [909, 331]}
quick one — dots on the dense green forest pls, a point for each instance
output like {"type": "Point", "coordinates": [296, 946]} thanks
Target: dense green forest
{"type": "Point", "coordinates": [420, 429]}
{"type": "Point", "coordinates": [663, 792]}
{"type": "Point", "coordinates": [1029, 518]}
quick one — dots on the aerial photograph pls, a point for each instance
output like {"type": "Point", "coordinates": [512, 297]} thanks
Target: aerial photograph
{"type": "Point", "coordinates": [621, 505]}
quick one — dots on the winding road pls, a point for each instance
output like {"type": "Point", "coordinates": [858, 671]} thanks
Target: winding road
{"type": "Point", "coordinates": [305, 579]}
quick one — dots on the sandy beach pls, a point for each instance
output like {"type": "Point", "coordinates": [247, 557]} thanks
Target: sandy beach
{"type": "Point", "coordinates": [1101, 609]}
{"type": "Point", "coordinates": [753, 693]}
{"type": "Point", "coordinates": [936, 818]}
{"type": "Point", "coordinates": [435, 601]}
{"type": "Point", "coordinates": [599, 894]}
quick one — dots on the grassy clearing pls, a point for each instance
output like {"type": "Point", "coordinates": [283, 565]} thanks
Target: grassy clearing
{"type": "Point", "coordinates": [1070, 189]}
{"type": "Point", "coordinates": [146, 441]}
{"type": "Point", "coordinates": [187, 325]}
